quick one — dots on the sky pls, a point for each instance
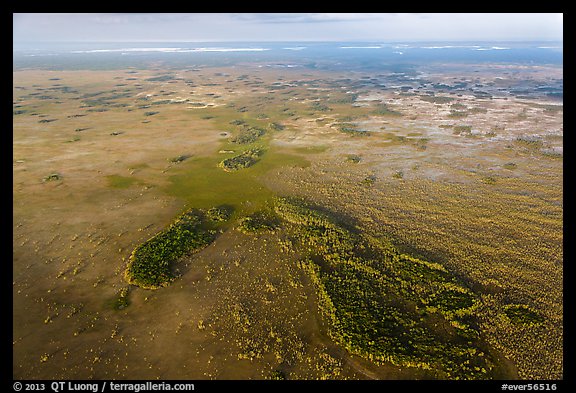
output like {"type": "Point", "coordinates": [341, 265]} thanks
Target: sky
{"type": "Point", "coordinates": [259, 27]}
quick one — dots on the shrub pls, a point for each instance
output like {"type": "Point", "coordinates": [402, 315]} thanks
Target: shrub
{"type": "Point", "coordinates": [462, 129]}
{"type": "Point", "coordinates": [369, 180]}
{"type": "Point", "coordinates": [244, 160]}
{"type": "Point", "coordinates": [121, 302]}
{"type": "Point", "coordinates": [179, 158]}
{"type": "Point", "coordinates": [352, 130]}
{"type": "Point", "coordinates": [162, 78]}
{"type": "Point", "coordinates": [529, 141]}
{"type": "Point", "coordinates": [258, 222]}
{"type": "Point", "coordinates": [52, 177]}
{"type": "Point", "coordinates": [522, 315]}
{"type": "Point", "coordinates": [457, 114]}
{"type": "Point", "coordinates": [249, 135]}
{"type": "Point", "coordinates": [437, 99]}
{"type": "Point", "coordinates": [277, 375]}
{"type": "Point", "coordinates": [452, 300]}
{"type": "Point", "coordinates": [318, 106]}
{"type": "Point", "coordinates": [383, 110]}
{"type": "Point", "coordinates": [488, 180]}
{"type": "Point", "coordinates": [353, 158]}
{"type": "Point", "coordinates": [219, 214]}
{"type": "Point", "coordinates": [276, 126]}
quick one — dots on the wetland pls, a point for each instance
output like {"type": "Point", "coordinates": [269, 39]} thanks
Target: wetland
{"type": "Point", "coordinates": [265, 216]}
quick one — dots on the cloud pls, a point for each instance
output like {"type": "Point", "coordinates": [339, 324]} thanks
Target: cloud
{"type": "Point", "coordinates": [125, 18]}
{"type": "Point", "coordinates": [302, 18]}
{"type": "Point", "coordinates": [285, 27]}
{"type": "Point", "coordinates": [113, 19]}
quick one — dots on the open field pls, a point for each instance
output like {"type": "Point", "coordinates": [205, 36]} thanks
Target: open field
{"type": "Point", "coordinates": [457, 168]}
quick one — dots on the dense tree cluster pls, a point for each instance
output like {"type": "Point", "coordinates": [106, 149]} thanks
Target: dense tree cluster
{"type": "Point", "coordinates": [387, 306]}
{"type": "Point", "coordinates": [149, 265]}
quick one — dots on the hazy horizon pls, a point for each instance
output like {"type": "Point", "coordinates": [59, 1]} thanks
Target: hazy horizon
{"type": "Point", "coordinates": [283, 27]}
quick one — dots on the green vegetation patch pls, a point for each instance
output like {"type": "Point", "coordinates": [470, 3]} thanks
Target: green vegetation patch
{"type": "Point", "coordinates": [551, 153]}
{"type": "Point", "coordinates": [219, 213]}
{"type": "Point", "coordinates": [344, 99]}
{"type": "Point", "coordinates": [458, 114]}
{"type": "Point", "coordinates": [458, 106]}
{"type": "Point", "coordinates": [460, 130]}
{"type": "Point", "coordinates": [452, 300]}
{"type": "Point", "coordinates": [369, 180]}
{"type": "Point", "coordinates": [530, 141]}
{"type": "Point", "coordinates": [161, 78]}
{"type": "Point", "coordinates": [248, 135]}
{"type": "Point", "coordinates": [521, 314]}
{"type": "Point", "coordinates": [383, 305]}
{"type": "Point", "coordinates": [259, 221]}
{"type": "Point", "coordinates": [277, 375]}
{"type": "Point", "coordinates": [149, 265]}
{"type": "Point", "coordinates": [384, 110]}
{"type": "Point", "coordinates": [244, 160]}
{"type": "Point", "coordinates": [180, 158]}
{"type": "Point", "coordinates": [161, 102]}
{"type": "Point", "coordinates": [488, 180]}
{"type": "Point", "coordinates": [353, 158]}
{"type": "Point", "coordinates": [319, 107]}
{"type": "Point", "coordinates": [276, 126]}
{"type": "Point", "coordinates": [203, 183]}
{"type": "Point", "coordinates": [351, 129]}
{"type": "Point", "coordinates": [122, 301]}
{"type": "Point", "coordinates": [52, 177]}
{"type": "Point", "coordinates": [314, 149]}
{"type": "Point", "coordinates": [119, 181]}
{"type": "Point", "coordinates": [436, 99]}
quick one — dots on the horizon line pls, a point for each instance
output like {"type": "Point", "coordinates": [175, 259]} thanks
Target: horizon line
{"type": "Point", "coordinates": [281, 41]}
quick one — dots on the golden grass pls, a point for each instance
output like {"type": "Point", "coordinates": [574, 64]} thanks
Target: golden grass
{"type": "Point", "coordinates": [504, 240]}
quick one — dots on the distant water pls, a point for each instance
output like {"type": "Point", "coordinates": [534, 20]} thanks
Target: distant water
{"type": "Point", "coordinates": [361, 55]}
